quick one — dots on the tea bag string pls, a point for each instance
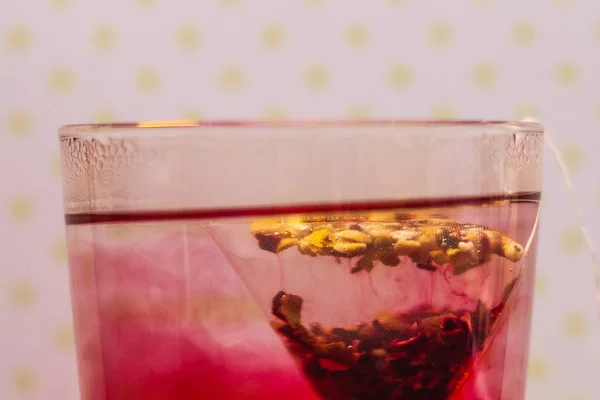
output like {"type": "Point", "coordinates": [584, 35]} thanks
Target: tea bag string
{"type": "Point", "coordinates": [574, 202]}
{"type": "Point", "coordinates": [533, 233]}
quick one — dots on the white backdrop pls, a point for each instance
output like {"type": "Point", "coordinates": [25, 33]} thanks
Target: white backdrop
{"type": "Point", "coordinates": [75, 61]}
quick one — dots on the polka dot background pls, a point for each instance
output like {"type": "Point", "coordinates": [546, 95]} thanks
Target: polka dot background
{"type": "Point", "coordinates": [76, 61]}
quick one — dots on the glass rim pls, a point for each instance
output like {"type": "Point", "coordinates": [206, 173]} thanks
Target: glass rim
{"type": "Point", "coordinates": [84, 129]}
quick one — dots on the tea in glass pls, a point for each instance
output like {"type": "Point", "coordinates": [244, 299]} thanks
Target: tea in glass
{"type": "Point", "coordinates": [306, 260]}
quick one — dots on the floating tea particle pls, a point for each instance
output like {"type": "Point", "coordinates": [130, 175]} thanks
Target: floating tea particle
{"type": "Point", "coordinates": [429, 243]}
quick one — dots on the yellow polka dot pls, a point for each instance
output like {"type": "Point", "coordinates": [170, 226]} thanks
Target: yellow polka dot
{"type": "Point", "coordinates": [20, 124]}
{"type": "Point", "coordinates": [62, 81]}
{"type": "Point", "coordinates": [357, 36]}
{"type": "Point", "coordinates": [483, 75]}
{"type": "Point", "coordinates": [316, 78]}
{"type": "Point", "coordinates": [276, 113]}
{"type": "Point", "coordinates": [314, 3]}
{"type": "Point", "coordinates": [104, 38]}
{"type": "Point", "coordinates": [578, 396]}
{"type": "Point", "coordinates": [190, 114]}
{"type": "Point", "coordinates": [523, 33]}
{"type": "Point", "coordinates": [63, 337]}
{"type": "Point", "coordinates": [443, 112]}
{"type": "Point", "coordinates": [24, 380]}
{"type": "Point", "coordinates": [398, 2]}
{"type": "Point", "coordinates": [61, 4]}
{"type": "Point", "coordinates": [272, 36]}
{"type": "Point", "coordinates": [598, 115]}
{"type": "Point", "coordinates": [359, 113]}
{"type": "Point", "coordinates": [482, 2]}
{"type": "Point", "coordinates": [573, 156]}
{"type": "Point", "coordinates": [59, 252]}
{"type": "Point", "coordinates": [537, 369]}
{"type": "Point", "coordinates": [540, 285]}
{"type": "Point", "coordinates": [597, 33]}
{"type": "Point", "coordinates": [400, 77]}
{"type": "Point", "coordinates": [23, 295]}
{"type": "Point", "coordinates": [54, 166]}
{"type": "Point", "coordinates": [572, 240]}
{"type": "Point", "coordinates": [19, 39]}
{"type": "Point", "coordinates": [189, 37]}
{"type": "Point", "coordinates": [232, 79]}
{"type": "Point", "coordinates": [440, 34]}
{"type": "Point", "coordinates": [104, 116]}
{"type": "Point", "coordinates": [146, 3]}
{"type": "Point", "coordinates": [526, 110]}
{"type": "Point", "coordinates": [147, 80]}
{"type": "Point", "coordinates": [230, 3]}
{"type": "Point", "coordinates": [21, 209]}
{"type": "Point", "coordinates": [566, 74]}
{"type": "Point", "coordinates": [564, 2]}
{"type": "Point", "coordinates": [575, 325]}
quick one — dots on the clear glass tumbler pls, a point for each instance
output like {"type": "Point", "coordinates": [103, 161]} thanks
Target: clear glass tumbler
{"type": "Point", "coordinates": [302, 260]}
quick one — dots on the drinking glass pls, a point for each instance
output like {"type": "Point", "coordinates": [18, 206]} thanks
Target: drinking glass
{"type": "Point", "coordinates": [302, 260]}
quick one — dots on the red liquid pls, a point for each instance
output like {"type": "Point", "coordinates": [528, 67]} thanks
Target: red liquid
{"type": "Point", "coordinates": [161, 313]}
